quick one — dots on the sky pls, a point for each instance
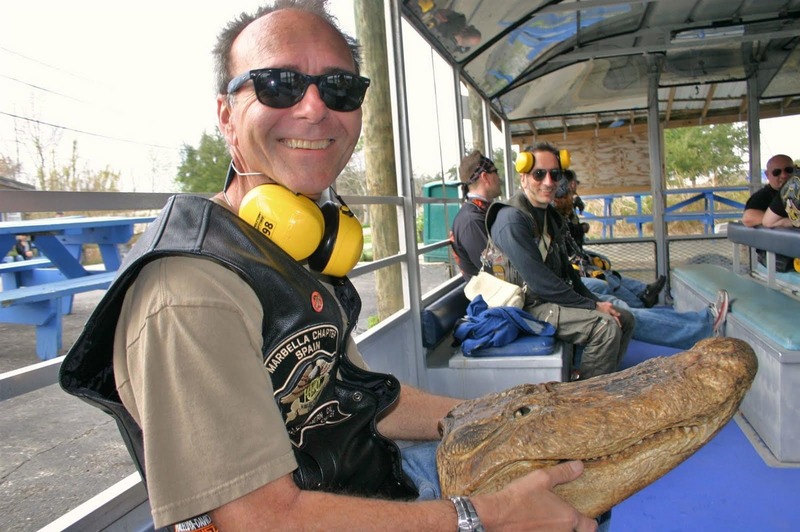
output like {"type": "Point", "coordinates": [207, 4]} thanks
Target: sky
{"type": "Point", "coordinates": [133, 82]}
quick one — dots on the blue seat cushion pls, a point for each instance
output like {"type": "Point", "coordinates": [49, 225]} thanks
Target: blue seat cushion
{"type": "Point", "coordinates": [522, 346]}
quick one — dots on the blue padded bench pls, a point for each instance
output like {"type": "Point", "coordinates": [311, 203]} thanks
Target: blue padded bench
{"type": "Point", "coordinates": [773, 313]}
{"type": "Point", "coordinates": [767, 319]}
{"type": "Point", "coordinates": [528, 359]}
{"type": "Point", "coordinates": [440, 317]}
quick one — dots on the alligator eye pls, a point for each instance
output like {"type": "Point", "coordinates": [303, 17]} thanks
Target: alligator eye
{"type": "Point", "coordinates": [522, 411]}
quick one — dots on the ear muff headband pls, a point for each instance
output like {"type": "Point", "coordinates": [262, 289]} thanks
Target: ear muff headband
{"type": "Point", "coordinates": [293, 222]}
{"type": "Point", "coordinates": [341, 246]}
{"type": "Point", "coordinates": [330, 237]}
{"type": "Point", "coordinates": [525, 161]}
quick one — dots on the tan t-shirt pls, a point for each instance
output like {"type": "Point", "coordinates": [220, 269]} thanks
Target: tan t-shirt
{"type": "Point", "coordinates": [188, 366]}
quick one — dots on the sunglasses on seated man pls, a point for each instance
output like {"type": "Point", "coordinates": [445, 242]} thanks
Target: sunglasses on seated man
{"type": "Point", "coordinates": [777, 171]}
{"type": "Point", "coordinates": [281, 88]}
{"type": "Point", "coordinates": [539, 173]}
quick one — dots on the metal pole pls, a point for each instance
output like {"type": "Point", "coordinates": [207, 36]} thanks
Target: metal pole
{"type": "Point", "coordinates": [657, 181]}
{"type": "Point", "coordinates": [416, 354]}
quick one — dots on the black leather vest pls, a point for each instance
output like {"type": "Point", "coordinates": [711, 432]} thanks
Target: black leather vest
{"type": "Point", "coordinates": [329, 405]}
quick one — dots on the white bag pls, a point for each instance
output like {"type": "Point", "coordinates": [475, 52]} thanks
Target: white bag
{"type": "Point", "coordinates": [495, 291]}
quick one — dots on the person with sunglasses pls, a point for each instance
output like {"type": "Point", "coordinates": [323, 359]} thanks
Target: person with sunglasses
{"type": "Point", "coordinates": [596, 272]}
{"type": "Point", "coordinates": [229, 364]}
{"type": "Point", "coordinates": [779, 169]}
{"type": "Point", "coordinates": [480, 186]}
{"type": "Point", "coordinates": [530, 234]}
{"type": "Point", "coordinates": [661, 325]}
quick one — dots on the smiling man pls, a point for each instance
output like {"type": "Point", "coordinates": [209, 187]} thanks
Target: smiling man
{"type": "Point", "coordinates": [227, 357]}
{"type": "Point", "coordinates": [531, 236]}
{"type": "Point", "coordinates": [779, 169]}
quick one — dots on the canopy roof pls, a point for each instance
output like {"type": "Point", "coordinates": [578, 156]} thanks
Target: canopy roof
{"type": "Point", "coordinates": [553, 66]}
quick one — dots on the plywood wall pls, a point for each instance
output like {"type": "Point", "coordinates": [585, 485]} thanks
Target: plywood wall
{"type": "Point", "coordinates": [610, 163]}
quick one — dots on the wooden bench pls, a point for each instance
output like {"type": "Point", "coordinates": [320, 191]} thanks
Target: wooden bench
{"type": "Point", "coordinates": [487, 370]}
{"type": "Point", "coordinates": [767, 319]}
{"type": "Point", "coordinates": [41, 305]}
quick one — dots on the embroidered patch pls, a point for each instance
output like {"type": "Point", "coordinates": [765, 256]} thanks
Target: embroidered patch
{"type": "Point", "coordinates": [301, 367]}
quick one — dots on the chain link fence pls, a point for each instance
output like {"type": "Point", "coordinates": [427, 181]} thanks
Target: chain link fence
{"type": "Point", "coordinates": [638, 259]}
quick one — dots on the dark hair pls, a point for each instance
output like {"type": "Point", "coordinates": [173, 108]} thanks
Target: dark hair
{"type": "Point", "coordinates": [545, 146]}
{"type": "Point", "coordinates": [222, 49]}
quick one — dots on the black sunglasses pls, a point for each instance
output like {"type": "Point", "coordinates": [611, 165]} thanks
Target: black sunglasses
{"type": "Point", "coordinates": [777, 171]}
{"type": "Point", "coordinates": [282, 88]}
{"type": "Point", "coordinates": [539, 173]}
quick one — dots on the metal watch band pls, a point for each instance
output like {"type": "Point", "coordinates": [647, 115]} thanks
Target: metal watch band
{"type": "Point", "coordinates": [468, 520]}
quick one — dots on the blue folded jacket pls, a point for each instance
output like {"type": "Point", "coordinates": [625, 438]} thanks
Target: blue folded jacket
{"type": "Point", "coordinates": [496, 326]}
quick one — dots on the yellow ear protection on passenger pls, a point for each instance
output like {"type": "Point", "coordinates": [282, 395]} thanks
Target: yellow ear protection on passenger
{"type": "Point", "coordinates": [525, 161]}
{"type": "Point", "coordinates": [330, 237]}
{"type": "Point", "coordinates": [293, 222]}
{"type": "Point", "coordinates": [341, 245]}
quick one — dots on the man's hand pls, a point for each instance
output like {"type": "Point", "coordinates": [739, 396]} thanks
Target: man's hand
{"type": "Point", "coordinates": [607, 308]}
{"type": "Point", "coordinates": [529, 503]}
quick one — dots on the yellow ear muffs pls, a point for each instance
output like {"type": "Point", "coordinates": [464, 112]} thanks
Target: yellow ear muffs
{"type": "Point", "coordinates": [341, 246]}
{"type": "Point", "coordinates": [293, 222]}
{"type": "Point", "coordinates": [524, 163]}
{"type": "Point", "coordinates": [564, 159]}
{"type": "Point", "coordinates": [526, 160]}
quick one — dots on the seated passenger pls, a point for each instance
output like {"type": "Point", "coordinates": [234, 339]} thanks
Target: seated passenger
{"type": "Point", "coordinates": [660, 325]}
{"type": "Point", "coordinates": [779, 169]}
{"type": "Point", "coordinates": [529, 234]}
{"type": "Point", "coordinates": [600, 280]}
{"type": "Point", "coordinates": [759, 208]}
{"type": "Point", "coordinates": [480, 186]}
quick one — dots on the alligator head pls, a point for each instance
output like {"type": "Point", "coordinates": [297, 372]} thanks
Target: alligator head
{"type": "Point", "coordinates": [629, 427]}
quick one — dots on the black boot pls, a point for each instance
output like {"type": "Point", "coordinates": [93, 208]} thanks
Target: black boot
{"type": "Point", "coordinates": [650, 296]}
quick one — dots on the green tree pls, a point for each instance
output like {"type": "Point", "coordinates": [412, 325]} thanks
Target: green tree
{"type": "Point", "coordinates": [8, 167]}
{"type": "Point", "coordinates": [707, 155]}
{"type": "Point", "coordinates": [203, 168]}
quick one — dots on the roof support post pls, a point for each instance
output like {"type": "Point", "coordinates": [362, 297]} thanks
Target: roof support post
{"type": "Point", "coordinates": [462, 148]}
{"type": "Point", "coordinates": [657, 181]}
{"type": "Point", "coordinates": [753, 133]}
{"type": "Point", "coordinates": [416, 360]}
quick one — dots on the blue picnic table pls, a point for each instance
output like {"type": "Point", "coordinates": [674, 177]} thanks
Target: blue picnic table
{"type": "Point", "coordinates": [39, 291]}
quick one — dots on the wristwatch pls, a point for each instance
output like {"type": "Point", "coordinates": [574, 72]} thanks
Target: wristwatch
{"type": "Point", "coordinates": [468, 520]}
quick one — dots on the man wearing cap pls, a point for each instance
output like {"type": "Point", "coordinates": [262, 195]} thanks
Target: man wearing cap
{"type": "Point", "coordinates": [480, 186]}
